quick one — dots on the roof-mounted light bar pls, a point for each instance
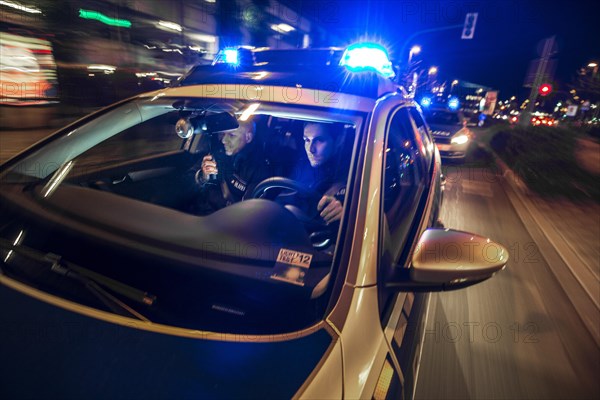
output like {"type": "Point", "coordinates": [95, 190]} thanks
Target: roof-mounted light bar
{"type": "Point", "coordinates": [367, 57]}
{"type": "Point", "coordinates": [426, 101]}
{"type": "Point", "coordinates": [235, 56]}
{"type": "Point", "coordinates": [231, 56]}
{"type": "Point", "coordinates": [453, 103]}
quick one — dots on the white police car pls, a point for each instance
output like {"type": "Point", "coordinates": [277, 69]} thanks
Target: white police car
{"type": "Point", "coordinates": [111, 286]}
{"type": "Point", "coordinates": [450, 132]}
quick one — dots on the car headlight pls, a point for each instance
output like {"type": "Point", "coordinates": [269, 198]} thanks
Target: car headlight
{"type": "Point", "coordinates": [460, 139]}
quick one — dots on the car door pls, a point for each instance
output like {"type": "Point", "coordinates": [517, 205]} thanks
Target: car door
{"type": "Point", "coordinates": [407, 202]}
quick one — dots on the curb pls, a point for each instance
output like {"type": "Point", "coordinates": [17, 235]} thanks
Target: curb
{"type": "Point", "coordinates": [588, 307]}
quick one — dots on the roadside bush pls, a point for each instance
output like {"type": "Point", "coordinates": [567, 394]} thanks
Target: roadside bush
{"type": "Point", "coordinates": [544, 158]}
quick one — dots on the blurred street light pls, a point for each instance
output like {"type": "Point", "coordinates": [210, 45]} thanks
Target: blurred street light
{"type": "Point", "coordinates": [454, 83]}
{"type": "Point", "coordinates": [594, 66]}
{"type": "Point", "coordinates": [413, 50]}
{"type": "Point", "coordinates": [282, 28]}
{"type": "Point", "coordinates": [170, 26]}
{"type": "Point", "coordinates": [431, 75]}
{"type": "Point", "coordinates": [20, 7]}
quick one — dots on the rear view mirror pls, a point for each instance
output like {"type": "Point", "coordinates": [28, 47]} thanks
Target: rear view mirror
{"type": "Point", "coordinates": [219, 122]}
{"type": "Point", "coordinates": [445, 259]}
{"type": "Point", "coordinates": [190, 125]}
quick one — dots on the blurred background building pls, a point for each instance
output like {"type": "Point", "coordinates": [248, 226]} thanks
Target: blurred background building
{"type": "Point", "coordinates": [91, 53]}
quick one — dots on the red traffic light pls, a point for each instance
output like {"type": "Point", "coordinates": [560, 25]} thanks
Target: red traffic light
{"type": "Point", "coordinates": [545, 89]}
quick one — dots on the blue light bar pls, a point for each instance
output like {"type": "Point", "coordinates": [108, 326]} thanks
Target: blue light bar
{"type": "Point", "coordinates": [228, 56]}
{"type": "Point", "coordinates": [231, 56]}
{"type": "Point", "coordinates": [453, 103]}
{"type": "Point", "coordinates": [425, 101]}
{"type": "Point", "coordinates": [367, 57]}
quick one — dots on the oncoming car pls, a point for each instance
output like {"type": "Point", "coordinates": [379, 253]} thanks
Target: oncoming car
{"type": "Point", "coordinates": [113, 284]}
{"type": "Point", "coordinates": [450, 132]}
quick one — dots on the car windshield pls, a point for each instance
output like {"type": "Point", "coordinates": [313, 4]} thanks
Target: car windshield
{"type": "Point", "coordinates": [227, 211]}
{"type": "Point", "coordinates": [443, 117]}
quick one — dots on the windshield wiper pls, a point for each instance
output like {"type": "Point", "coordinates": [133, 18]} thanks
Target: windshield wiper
{"type": "Point", "coordinates": [91, 280]}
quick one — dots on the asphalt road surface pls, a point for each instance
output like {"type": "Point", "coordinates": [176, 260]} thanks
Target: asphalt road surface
{"type": "Point", "coordinates": [515, 336]}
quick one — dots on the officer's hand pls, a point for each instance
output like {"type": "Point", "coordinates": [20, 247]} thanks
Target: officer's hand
{"type": "Point", "coordinates": [331, 209]}
{"type": "Point", "coordinates": [209, 167]}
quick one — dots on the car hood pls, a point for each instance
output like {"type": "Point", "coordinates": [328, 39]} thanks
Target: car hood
{"type": "Point", "coordinates": [55, 353]}
{"type": "Point", "coordinates": [440, 130]}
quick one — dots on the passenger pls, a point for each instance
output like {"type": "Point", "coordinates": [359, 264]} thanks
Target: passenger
{"type": "Point", "coordinates": [229, 178]}
{"type": "Point", "coordinates": [324, 172]}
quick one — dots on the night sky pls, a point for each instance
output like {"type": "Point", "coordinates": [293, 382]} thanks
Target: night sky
{"type": "Point", "coordinates": [506, 38]}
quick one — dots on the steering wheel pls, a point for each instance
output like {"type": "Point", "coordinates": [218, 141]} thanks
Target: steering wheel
{"type": "Point", "coordinates": [301, 201]}
{"type": "Point", "coordinates": [289, 192]}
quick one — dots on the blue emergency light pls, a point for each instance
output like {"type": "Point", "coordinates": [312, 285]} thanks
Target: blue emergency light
{"type": "Point", "coordinates": [425, 102]}
{"type": "Point", "coordinates": [453, 103]}
{"type": "Point", "coordinates": [234, 56]}
{"type": "Point", "coordinates": [231, 56]}
{"type": "Point", "coordinates": [367, 57]}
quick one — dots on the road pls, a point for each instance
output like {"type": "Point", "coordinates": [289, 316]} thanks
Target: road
{"type": "Point", "coordinates": [515, 336]}
{"type": "Point", "coordinates": [13, 141]}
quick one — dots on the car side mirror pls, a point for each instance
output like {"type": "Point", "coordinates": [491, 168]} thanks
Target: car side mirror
{"type": "Point", "coordinates": [446, 259]}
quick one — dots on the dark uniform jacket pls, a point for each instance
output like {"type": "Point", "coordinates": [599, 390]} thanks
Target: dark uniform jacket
{"type": "Point", "coordinates": [238, 176]}
{"type": "Point", "coordinates": [327, 179]}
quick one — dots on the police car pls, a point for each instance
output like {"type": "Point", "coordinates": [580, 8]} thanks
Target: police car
{"type": "Point", "coordinates": [450, 132]}
{"type": "Point", "coordinates": [111, 286]}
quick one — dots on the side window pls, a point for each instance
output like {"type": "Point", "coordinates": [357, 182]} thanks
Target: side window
{"type": "Point", "coordinates": [405, 180]}
{"type": "Point", "coordinates": [154, 136]}
{"type": "Point", "coordinates": [423, 132]}
{"type": "Point", "coordinates": [408, 153]}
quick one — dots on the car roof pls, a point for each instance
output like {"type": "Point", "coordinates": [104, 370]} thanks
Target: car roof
{"type": "Point", "coordinates": [317, 69]}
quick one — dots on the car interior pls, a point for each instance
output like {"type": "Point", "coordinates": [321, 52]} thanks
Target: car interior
{"type": "Point", "coordinates": [219, 272]}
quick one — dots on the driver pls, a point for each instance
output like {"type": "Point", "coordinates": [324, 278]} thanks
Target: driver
{"type": "Point", "coordinates": [226, 179]}
{"type": "Point", "coordinates": [324, 173]}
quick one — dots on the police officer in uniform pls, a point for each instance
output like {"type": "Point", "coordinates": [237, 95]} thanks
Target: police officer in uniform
{"type": "Point", "coordinates": [324, 170]}
{"type": "Point", "coordinates": [229, 178]}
